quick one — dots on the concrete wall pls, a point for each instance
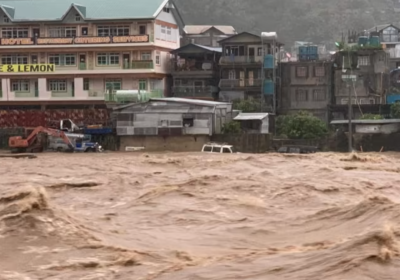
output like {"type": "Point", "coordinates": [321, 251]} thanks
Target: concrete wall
{"type": "Point", "coordinates": [172, 143]}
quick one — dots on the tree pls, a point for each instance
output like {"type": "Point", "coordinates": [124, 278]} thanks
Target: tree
{"type": "Point", "coordinates": [247, 105]}
{"type": "Point", "coordinates": [232, 127]}
{"type": "Point", "coordinates": [302, 125]}
{"type": "Point", "coordinates": [395, 111]}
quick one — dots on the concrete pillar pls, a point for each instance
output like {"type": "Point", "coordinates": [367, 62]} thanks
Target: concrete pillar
{"type": "Point", "coordinates": [79, 92]}
{"type": "Point", "coordinates": [44, 94]}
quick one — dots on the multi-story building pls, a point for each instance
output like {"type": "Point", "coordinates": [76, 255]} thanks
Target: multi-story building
{"type": "Point", "coordinates": [206, 35]}
{"type": "Point", "coordinates": [306, 86]}
{"type": "Point", "coordinates": [55, 52]}
{"type": "Point", "coordinates": [195, 72]}
{"type": "Point", "coordinates": [241, 66]}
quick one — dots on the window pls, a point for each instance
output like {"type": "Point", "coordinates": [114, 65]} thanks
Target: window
{"type": "Point", "coordinates": [364, 61]}
{"type": "Point", "coordinates": [216, 149]}
{"type": "Point", "coordinates": [390, 34]}
{"type": "Point", "coordinates": [169, 32]}
{"type": "Point", "coordinates": [20, 85]}
{"type": "Point", "coordinates": [6, 19]}
{"type": "Point", "coordinates": [78, 17]}
{"type": "Point", "coordinates": [319, 95]}
{"type": "Point", "coordinates": [142, 29]}
{"type": "Point", "coordinates": [86, 84]}
{"type": "Point", "coordinates": [104, 59]}
{"type": "Point", "coordinates": [57, 85]}
{"type": "Point", "coordinates": [14, 59]}
{"type": "Point", "coordinates": [145, 55]}
{"type": "Point", "coordinates": [226, 151]}
{"type": "Point", "coordinates": [301, 95]}
{"type": "Point", "coordinates": [142, 85]}
{"type": "Point", "coordinates": [165, 9]}
{"type": "Point", "coordinates": [232, 75]}
{"type": "Point", "coordinates": [62, 32]}
{"type": "Point", "coordinates": [319, 71]}
{"type": "Point", "coordinates": [14, 32]}
{"type": "Point", "coordinates": [113, 84]}
{"type": "Point", "coordinates": [158, 61]}
{"type": "Point", "coordinates": [84, 31]}
{"type": "Point", "coordinates": [234, 50]}
{"type": "Point", "coordinates": [260, 52]}
{"type": "Point", "coordinates": [301, 72]}
{"type": "Point", "coordinates": [112, 30]}
{"type": "Point", "coordinates": [62, 59]}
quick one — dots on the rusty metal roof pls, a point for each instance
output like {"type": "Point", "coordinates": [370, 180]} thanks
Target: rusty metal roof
{"type": "Point", "coordinates": [199, 29]}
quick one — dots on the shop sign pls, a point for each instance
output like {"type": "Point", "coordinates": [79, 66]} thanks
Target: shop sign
{"type": "Point", "coordinates": [75, 41]}
{"type": "Point", "coordinates": [35, 68]}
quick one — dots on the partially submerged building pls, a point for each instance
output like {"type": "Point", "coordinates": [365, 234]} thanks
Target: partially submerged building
{"type": "Point", "coordinates": [172, 116]}
{"type": "Point", "coordinates": [256, 123]}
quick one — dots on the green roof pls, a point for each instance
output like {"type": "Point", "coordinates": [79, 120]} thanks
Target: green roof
{"type": "Point", "coordinates": [55, 10]}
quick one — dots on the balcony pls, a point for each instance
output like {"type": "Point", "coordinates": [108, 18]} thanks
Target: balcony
{"type": "Point", "coordinates": [139, 64]}
{"type": "Point", "coordinates": [58, 94]}
{"type": "Point", "coordinates": [240, 83]}
{"type": "Point", "coordinates": [229, 60]}
{"type": "Point", "coordinates": [196, 68]}
{"type": "Point", "coordinates": [394, 53]}
{"type": "Point", "coordinates": [193, 91]}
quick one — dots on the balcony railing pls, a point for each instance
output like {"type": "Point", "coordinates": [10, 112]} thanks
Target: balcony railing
{"type": "Point", "coordinates": [58, 94]}
{"type": "Point", "coordinates": [1, 93]}
{"type": "Point", "coordinates": [139, 64]}
{"type": "Point", "coordinates": [192, 67]}
{"type": "Point", "coordinates": [82, 66]}
{"type": "Point", "coordinates": [240, 59]}
{"type": "Point", "coordinates": [95, 93]}
{"type": "Point", "coordinates": [18, 94]}
{"type": "Point", "coordinates": [240, 83]}
{"type": "Point", "coordinates": [193, 91]}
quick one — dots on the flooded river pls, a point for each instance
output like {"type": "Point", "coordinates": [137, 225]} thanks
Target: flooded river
{"type": "Point", "coordinates": [200, 217]}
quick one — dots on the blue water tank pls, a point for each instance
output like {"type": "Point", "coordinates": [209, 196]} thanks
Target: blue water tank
{"type": "Point", "coordinates": [375, 41]}
{"type": "Point", "coordinates": [269, 61]}
{"type": "Point", "coordinates": [363, 41]}
{"type": "Point", "coordinates": [302, 50]}
{"type": "Point", "coordinates": [390, 99]}
{"type": "Point", "coordinates": [269, 87]}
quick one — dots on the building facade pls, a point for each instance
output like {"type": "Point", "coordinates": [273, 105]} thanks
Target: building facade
{"type": "Point", "coordinates": [306, 86]}
{"type": "Point", "coordinates": [172, 117]}
{"type": "Point", "coordinates": [195, 73]}
{"type": "Point", "coordinates": [206, 35]}
{"type": "Point", "coordinates": [57, 52]}
{"type": "Point", "coordinates": [241, 67]}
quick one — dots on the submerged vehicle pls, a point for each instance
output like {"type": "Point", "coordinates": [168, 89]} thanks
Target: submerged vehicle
{"type": "Point", "coordinates": [295, 149]}
{"type": "Point", "coordinates": [217, 148]}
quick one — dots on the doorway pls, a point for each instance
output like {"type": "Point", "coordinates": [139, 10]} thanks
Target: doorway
{"type": "Point", "coordinates": [126, 58]}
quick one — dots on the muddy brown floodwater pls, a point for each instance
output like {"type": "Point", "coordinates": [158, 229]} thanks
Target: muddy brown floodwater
{"type": "Point", "coordinates": [200, 217]}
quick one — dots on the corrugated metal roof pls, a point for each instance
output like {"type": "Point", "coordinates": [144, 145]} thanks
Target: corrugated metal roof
{"type": "Point", "coordinates": [189, 101]}
{"type": "Point", "coordinates": [198, 29]}
{"type": "Point", "coordinates": [366, 121]}
{"type": "Point", "coordinates": [250, 116]}
{"type": "Point", "coordinates": [206, 48]}
{"type": "Point", "coordinates": [36, 10]}
{"type": "Point", "coordinates": [379, 27]}
{"type": "Point", "coordinates": [213, 49]}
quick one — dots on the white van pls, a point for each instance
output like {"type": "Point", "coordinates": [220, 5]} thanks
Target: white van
{"type": "Point", "coordinates": [217, 148]}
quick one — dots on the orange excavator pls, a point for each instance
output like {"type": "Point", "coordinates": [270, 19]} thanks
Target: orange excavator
{"type": "Point", "coordinates": [34, 142]}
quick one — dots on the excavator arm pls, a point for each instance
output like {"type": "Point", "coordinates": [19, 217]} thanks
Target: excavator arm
{"type": "Point", "coordinates": [20, 144]}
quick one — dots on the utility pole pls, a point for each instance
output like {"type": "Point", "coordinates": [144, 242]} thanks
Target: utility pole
{"type": "Point", "coordinates": [350, 115]}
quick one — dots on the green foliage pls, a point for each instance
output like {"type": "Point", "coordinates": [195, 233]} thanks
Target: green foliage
{"type": "Point", "coordinates": [232, 127]}
{"type": "Point", "coordinates": [247, 105]}
{"type": "Point", "coordinates": [302, 125]}
{"type": "Point", "coordinates": [371, 117]}
{"type": "Point", "coordinates": [395, 111]}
